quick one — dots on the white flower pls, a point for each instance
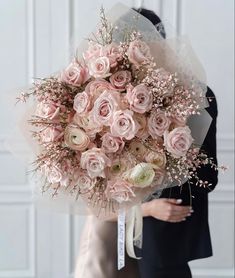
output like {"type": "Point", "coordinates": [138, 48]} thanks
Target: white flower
{"type": "Point", "coordinates": [141, 175]}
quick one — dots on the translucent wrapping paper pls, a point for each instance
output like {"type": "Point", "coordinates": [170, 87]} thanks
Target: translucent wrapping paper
{"type": "Point", "coordinates": [175, 55]}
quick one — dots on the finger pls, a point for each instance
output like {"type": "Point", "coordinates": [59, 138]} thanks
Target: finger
{"type": "Point", "coordinates": [177, 221]}
{"type": "Point", "coordinates": [178, 216]}
{"type": "Point", "coordinates": [180, 209]}
{"type": "Point", "coordinates": [183, 216]}
{"type": "Point", "coordinates": [174, 219]}
{"type": "Point", "coordinates": [173, 201]}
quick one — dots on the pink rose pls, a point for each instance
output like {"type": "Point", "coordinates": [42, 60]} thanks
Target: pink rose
{"type": "Point", "coordinates": [54, 174]}
{"type": "Point", "coordinates": [124, 125]}
{"type": "Point", "coordinates": [178, 121]}
{"type": "Point", "coordinates": [93, 51]}
{"type": "Point", "coordinates": [48, 110]}
{"type": "Point", "coordinates": [99, 67]}
{"type": "Point", "coordinates": [158, 123]}
{"type": "Point", "coordinates": [159, 176]}
{"type": "Point", "coordinates": [156, 158]}
{"type": "Point", "coordinates": [58, 174]}
{"type": "Point", "coordinates": [120, 79]}
{"type": "Point", "coordinates": [82, 103]}
{"type": "Point", "coordinates": [119, 191]}
{"type": "Point", "coordinates": [51, 134]}
{"type": "Point", "coordinates": [143, 128]}
{"type": "Point", "coordinates": [87, 123]}
{"type": "Point", "coordinates": [75, 74]}
{"type": "Point", "coordinates": [75, 138]}
{"type": "Point", "coordinates": [178, 141]}
{"type": "Point", "coordinates": [112, 51]}
{"type": "Point", "coordinates": [96, 87]}
{"type": "Point", "coordinates": [140, 98]}
{"type": "Point", "coordinates": [112, 144]}
{"type": "Point", "coordinates": [95, 161]}
{"type": "Point", "coordinates": [138, 52]}
{"type": "Point", "coordinates": [104, 107]}
{"type": "Point", "coordinates": [83, 181]}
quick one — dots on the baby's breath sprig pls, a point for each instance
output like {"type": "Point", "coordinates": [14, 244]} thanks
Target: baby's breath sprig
{"type": "Point", "coordinates": [106, 29]}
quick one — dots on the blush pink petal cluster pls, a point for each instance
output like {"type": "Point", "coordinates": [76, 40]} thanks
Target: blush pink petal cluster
{"type": "Point", "coordinates": [105, 106]}
{"type": "Point", "coordinates": [119, 190]}
{"type": "Point", "coordinates": [156, 158]}
{"type": "Point", "coordinates": [178, 141]}
{"type": "Point", "coordinates": [75, 74]}
{"type": "Point", "coordinates": [82, 103]}
{"type": "Point", "coordinates": [48, 110]}
{"type": "Point", "coordinates": [94, 50]}
{"type": "Point", "coordinates": [138, 52]}
{"type": "Point", "coordinates": [95, 162]}
{"type": "Point", "coordinates": [58, 174]}
{"type": "Point", "coordinates": [120, 79]}
{"type": "Point", "coordinates": [75, 138]}
{"type": "Point", "coordinates": [112, 52]}
{"type": "Point", "coordinates": [139, 98]}
{"type": "Point", "coordinates": [96, 87]}
{"type": "Point", "coordinates": [143, 127]}
{"type": "Point", "coordinates": [99, 67]}
{"type": "Point", "coordinates": [178, 121]}
{"type": "Point", "coordinates": [83, 181]}
{"type": "Point", "coordinates": [87, 123]}
{"type": "Point", "coordinates": [112, 144]}
{"type": "Point", "coordinates": [124, 125]}
{"type": "Point", "coordinates": [51, 134]}
{"type": "Point", "coordinates": [159, 176]}
{"type": "Point", "coordinates": [158, 123]}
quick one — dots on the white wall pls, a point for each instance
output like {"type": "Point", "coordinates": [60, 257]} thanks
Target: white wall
{"type": "Point", "coordinates": [34, 40]}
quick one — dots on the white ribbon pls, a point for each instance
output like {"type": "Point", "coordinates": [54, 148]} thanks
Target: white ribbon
{"type": "Point", "coordinates": [121, 239]}
{"type": "Point", "coordinates": [134, 229]}
{"type": "Point", "coordinates": [131, 232]}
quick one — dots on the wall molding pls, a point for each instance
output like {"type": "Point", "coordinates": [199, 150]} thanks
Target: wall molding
{"type": "Point", "coordinates": [213, 273]}
{"type": "Point", "coordinates": [31, 271]}
{"type": "Point", "coordinates": [31, 40]}
{"type": "Point", "coordinates": [222, 194]}
{"type": "Point", "coordinates": [13, 196]}
{"type": "Point", "coordinates": [225, 143]}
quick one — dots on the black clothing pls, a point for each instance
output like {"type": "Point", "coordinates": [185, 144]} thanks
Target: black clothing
{"type": "Point", "coordinates": [168, 244]}
{"type": "Point", "coordinates": [179, 271]}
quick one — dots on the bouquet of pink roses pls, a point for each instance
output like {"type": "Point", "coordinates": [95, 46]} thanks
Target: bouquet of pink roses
{"type": "Point", "coordinates": [113, 125]}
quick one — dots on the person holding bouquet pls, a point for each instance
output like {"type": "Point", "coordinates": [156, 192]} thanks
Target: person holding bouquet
{"type": "Point", "coordinates": [175, 229]}
{"type": "Point", "coordinates": [128, 130]}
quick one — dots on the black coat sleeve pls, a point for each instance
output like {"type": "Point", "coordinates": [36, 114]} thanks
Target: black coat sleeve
{"type": "Point", "coordinates": [206, 173]}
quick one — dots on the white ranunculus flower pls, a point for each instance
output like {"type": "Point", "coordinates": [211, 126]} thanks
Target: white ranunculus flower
{"type": "Point", "coordinates": [141, 175]}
